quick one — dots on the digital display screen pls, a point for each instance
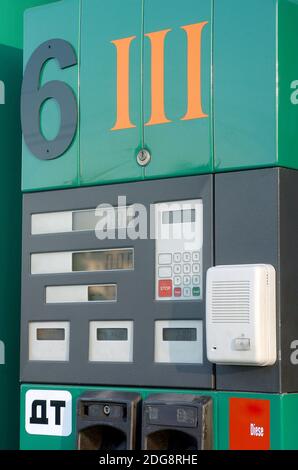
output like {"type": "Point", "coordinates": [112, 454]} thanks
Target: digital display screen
{"type": "Point", "coordinates": [104, 260]}
{"type": "Point", "coordinates": [102, 293]}
{"type": "Point", "coordinates": [84, 220]}
{"type": "Point", "coordinates": [179, 334]}
{"type": "Point", "coordinates": [111, 334]}
{"type": "Point", "coordinates": [179, 216]}
{"type": "Point", "coordinates": [110, 218]}
{"type": "Point", "coordinates": [50, 334]}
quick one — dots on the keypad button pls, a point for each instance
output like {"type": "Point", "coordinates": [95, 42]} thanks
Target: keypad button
{"type": "Point", "coordinates": [177, 257]}
{"type": "Point", "coordinates": [165, 258]}
{"type": "Point", "coordinates": [165, 288]}
{"type": "Point", "coordinates": [187, 292]}
{"type": "Point", "coordinates": [186, 257]}
{"type": "Point", "coordinates": [177, 292]}
{"type": "Point", "coordinates": [177, 280]}
{"type": "Point", "coordinates": [186, 280]}
{"type": "Point", "coordinates": [196, 280]}
{"type": "Point", "coordinates": [165, 272]}
{"type": "Point", "coordinates": [196, 256]}
{"type": "Point", "coordinates": [196, 268]}
{"type": "Point", "coordinates": [196, 292]}
{"type": "Point", "coordinates": [186, 268]}
{"type": "Point", "coordinates": [177, 268]}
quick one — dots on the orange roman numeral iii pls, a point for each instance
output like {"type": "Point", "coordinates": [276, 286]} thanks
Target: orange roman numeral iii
{"type": "Point", "coordinates": [157, 42]}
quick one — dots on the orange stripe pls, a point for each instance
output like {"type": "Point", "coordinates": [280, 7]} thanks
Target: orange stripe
{"type": "Point", "coordinates": [157, 40]}
{"type": "Point", "coordinates": [194, 38]}
{"type": "Point", "coordinates": [123, 116]}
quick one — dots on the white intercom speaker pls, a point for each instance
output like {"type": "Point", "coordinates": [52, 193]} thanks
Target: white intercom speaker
{"type": "Point", "coordinates": [241, 315]}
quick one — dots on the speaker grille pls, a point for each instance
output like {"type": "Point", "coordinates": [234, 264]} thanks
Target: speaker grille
{"type": "Point", "coordinates": [230, 301]}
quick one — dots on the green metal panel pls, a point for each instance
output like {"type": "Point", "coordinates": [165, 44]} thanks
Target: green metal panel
{"type": "Point", "coordinates": [104, 155]}
{"type": "Point", "coordinates": [288, 75]}
{"type": "Point", "coordinates": [11, 27]}
{"type": "Point", "coordinates": [11, 33]}
{"type": "Point", "coordinates": [39, 442]}
{"type": "Point", "coordinates": [180, 147]}
{"type": "Point", "coordinates": [255, 120]}
{"type": "Point", "coordinates": [283, 416]}
{"type": "Point", "coordinates": [244, 84]}
{"type": "Point", "coordinates": [108, 155]}
{"type": "Point", "coordinates": [223, 402]}
{"type": "Point", "coordinates": [10, 240]}
{"type": "Point", "coordinates": [247, 70]}
{"type": "Point", "coordinates": [289, 419]}
{"type": "Point", "coordinates": [41, 24]}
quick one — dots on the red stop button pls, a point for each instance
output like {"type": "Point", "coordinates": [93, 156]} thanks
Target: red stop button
{"type": "Point", "coordinates": [165, 288]}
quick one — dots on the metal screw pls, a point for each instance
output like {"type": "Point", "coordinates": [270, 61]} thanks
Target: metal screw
{"type": "Point", "coordinates": [143, 157]}
{"type": "Point", "coordinates": [106, 410]}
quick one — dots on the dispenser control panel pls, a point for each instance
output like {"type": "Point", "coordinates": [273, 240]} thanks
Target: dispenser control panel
{"type": "Point", "coordinates": [179, 242]}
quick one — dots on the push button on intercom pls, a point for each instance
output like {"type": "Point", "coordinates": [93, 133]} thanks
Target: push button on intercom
{"type": "Point", "coordinates": [242, 344]}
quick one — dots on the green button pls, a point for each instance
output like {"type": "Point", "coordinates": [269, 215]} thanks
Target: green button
{"type": "Point", "coordinates": [196, 291]}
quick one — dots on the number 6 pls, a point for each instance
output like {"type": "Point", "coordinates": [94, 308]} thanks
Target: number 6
{"type": "Point", "coordinates": [33, 97]}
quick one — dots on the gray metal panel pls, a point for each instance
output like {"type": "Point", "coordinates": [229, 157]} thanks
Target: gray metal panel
{"type": "Point", "coordinates": [289, 278]}
{"type": "Point", "coordinates": [135, 290]}
{"type": "Point", "coordinates": [247, 232]}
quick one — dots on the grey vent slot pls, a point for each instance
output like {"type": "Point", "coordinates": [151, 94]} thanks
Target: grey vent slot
{"type": "Point", "coordinates": [230, 301]}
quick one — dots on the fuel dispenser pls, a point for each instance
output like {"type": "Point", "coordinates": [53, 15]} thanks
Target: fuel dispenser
{"type": "Point", "coordinates": [177, 422]}
{"type": "Point", "coordinates": [212, 305]}
{"type": "Point", "coordinates": [108, 420]}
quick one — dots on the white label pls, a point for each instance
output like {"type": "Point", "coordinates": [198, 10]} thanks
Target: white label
{"type": "Point", "coordinates": [47, 348]}
{"type": "Point", "coordinates": [48, 412]}
{"type": "Point", "coordinates": [101, 350]}
{"type": "Point", "coordinates": [179, 350]}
